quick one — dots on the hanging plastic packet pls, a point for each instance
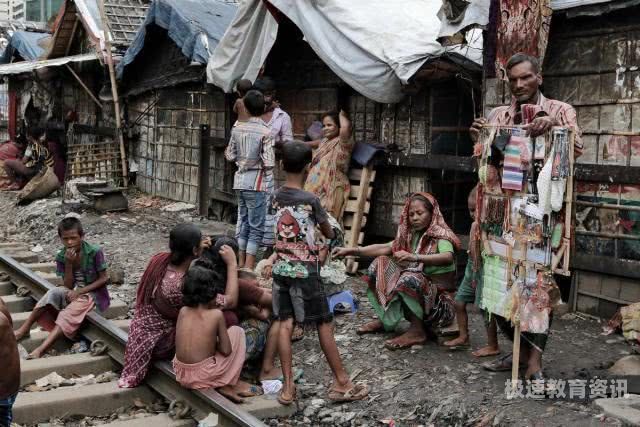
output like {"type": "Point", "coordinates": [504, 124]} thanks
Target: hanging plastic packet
{"type": "Point", "coordinates": [561, 154]}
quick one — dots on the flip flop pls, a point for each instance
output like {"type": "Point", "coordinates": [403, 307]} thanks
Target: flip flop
{"type": "Point", "coordinates": [503, 364]}
{"type": "Point", "coordinates": [357, 392]}
{"type": "Point", "coordinates": [287, 402]}
{"type": "Point", "coordinates": [297, 374]}
{"type": "Point", "coordinates": [485, 355]}
{"type": "Point", "coordinates": [395, 347]}
{"type": "Point", "coordinates": [458, 347]}
{"type": "Point", "coordinates": [254, 391]}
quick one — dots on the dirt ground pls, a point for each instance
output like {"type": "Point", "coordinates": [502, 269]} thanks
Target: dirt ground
{"type": "Point", "coordinates": [427, 385]}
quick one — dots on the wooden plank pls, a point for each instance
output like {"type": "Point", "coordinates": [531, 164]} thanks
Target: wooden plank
{"type": "Point", "coordinates": [610, 174]}
{"type": "Point", "coordinates": [356, 175]}
{"type": "Point", "coordinates": [353, 206]}
{"type": "Point", "coordinates": [606, 265]}
{"type": "Point", "coordinates": [355, 191]}
{"type": "Point", "coordinates": [447, 162]}
{"type": "Point", "coordinates": [349, 220]}
{"type": "Point", "coordinates": [359, 206]}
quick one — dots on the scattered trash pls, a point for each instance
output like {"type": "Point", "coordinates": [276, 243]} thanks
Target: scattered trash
{"type": "Point", "coordinates": [271, 386]}
{"type": "Point", "coordinates": [210, 421]}
{"type": "Point", "coordinates": [81, 346]}
{"type": "Point", "coordinates": [53, 379]}
{"type": "Point", "coordinates": [106, 377]}
{"type": "Point", "coordinates": [178, 207]}
{"type": "Point", "coordinates": [37, 249]}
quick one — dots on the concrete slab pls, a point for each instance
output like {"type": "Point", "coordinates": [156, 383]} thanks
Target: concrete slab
{"type": "Point", "coordinates": [11, 244]}
{"type": "Point", "coordinates": [267, 407]}
{"type": "Point", "coordinates": [117, 309]}
{"type": "Point", "coordinates": [51, 278]}
{"type": "Point", "coordinates": [628, 365]}
{"type": "Point", "coordinates": [37, 337]}
{"type": "Point", "coordinates": [20, 318]}
{"type": "Point", "coordinates": [626, 409]}
{"type": "Point", "coordinates": [123, 324]}
{"type": "Point", "coordinates": [16, 304]}
{"type": "Point", "coordinates": [21, 256]}
{"type": "Point", "coordinates": [89, 400]}
{"type": "Point", "coordinates": [7, 288]}
{"type": "Point", "coordinates": [45, 267]}
{"type": "Point", "coordinates": [160, 420]}
{"type": "Point", "coordinates": [67, 365]}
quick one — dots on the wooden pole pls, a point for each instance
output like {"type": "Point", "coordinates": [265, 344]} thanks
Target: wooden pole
{"type": "Point", "coordinates": [84, 86]}
{"type": "Point", "coordinates": [114, 91]}
{"type": "Point", "coordinates": [515, 366]}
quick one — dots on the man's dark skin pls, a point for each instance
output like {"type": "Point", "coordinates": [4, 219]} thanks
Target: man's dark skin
{"type": "Point", "coordinates": [10, 372]}
{"type": "Point", "coordinates": [524, 83]}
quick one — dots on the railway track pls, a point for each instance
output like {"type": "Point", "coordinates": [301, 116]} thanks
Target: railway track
{"type": "Point", "coordinates": [31, 279]}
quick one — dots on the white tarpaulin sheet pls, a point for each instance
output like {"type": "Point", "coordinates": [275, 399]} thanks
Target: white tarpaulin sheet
{"type": "Point", "coordinates": [28, 66]}
{"type": "Point", "coordinates": [375, 46]}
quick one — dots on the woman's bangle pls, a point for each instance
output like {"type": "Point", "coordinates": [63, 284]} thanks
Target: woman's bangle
{"type": "Point", "coordinates": [358, 250]}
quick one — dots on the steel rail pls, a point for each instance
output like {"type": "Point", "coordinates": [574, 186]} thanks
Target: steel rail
{"type": "Point", "coordinates": [160, 378]}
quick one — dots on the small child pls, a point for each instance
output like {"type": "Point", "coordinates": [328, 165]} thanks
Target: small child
{"type": "Point", "coordinates": [467, 294]}
{"type": "Point", "coordinates": [251, 148]}
{"type": "Point", "coordinates": [84, 271]}
{"type": "Point", "coordinates": [295, 264]}
{"type": "Point", "coordinates": [248, 294]}
{"type": "Point", "coordinates": [208, 355]}
{"type": "Point", "coordinates": [242, 88]}
{"type": "Point", "coordinates": [10, 372]}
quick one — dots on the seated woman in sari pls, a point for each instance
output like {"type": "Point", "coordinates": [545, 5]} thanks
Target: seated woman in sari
{"type": "Point", "coordinates": [327, 177]}
{"type": "Point", "coordinates": [412, 275]}
{"type": "Point", "coordinates": [158, 302]}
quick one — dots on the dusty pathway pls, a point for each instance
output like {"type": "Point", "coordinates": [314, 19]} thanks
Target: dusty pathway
{"type": "Point", "coordinates": [426, 385]}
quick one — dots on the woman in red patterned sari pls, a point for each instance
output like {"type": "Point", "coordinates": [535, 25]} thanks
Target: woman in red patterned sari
{"type": "Point", "coordinates": [158, 301]}
{"type": "Point", "coordinates": [412, 276]}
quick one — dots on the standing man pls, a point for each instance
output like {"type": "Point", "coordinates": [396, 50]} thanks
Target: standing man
{"type": "Point", "coordinates": [279, 124]}
{"type": "Point", "coordinates": [523, 73]}
{"type": "Point", "coordinates": [10, 372]}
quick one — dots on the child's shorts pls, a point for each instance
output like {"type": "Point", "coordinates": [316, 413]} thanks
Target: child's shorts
{"type": "Point", "coordinates": [466, 294]}
{"type": "Point", "coordinates": [6, 410]}
{"type": "Point", "coordinates": [303, 299]}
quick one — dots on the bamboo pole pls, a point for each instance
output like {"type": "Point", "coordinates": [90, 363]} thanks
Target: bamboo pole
{"type": "Point", "coordinates": [114, 91]}
{"type": "Point", "coordinates": [84, 86]}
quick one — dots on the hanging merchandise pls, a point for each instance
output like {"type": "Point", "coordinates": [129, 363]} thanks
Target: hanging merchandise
{"type": "Point", "coordinates": [544, 185]}
{"type": "Point", "coordinates": [512, 175]}
{"type": "Point", "coordinates": [525, 234]}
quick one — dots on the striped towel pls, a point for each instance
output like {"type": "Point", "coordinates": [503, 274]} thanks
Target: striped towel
{"type": "Point", "coordinates": [512, 171]}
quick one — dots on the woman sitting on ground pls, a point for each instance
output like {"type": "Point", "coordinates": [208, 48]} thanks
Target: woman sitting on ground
{"type": "Point", "coordinates": [158, 302]}
{"type": "Point", "coordinates": [412, 275]}
{"type": "Point", "coordinates": [327, 177]}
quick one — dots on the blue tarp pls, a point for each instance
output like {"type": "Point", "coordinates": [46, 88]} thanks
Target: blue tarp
{"type": "Point", "coordinates": [27, 44]}
{"type": "Point", "coordinates": [196, 27]}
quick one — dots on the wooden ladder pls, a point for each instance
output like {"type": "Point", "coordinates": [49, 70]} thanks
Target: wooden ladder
{"type": "Point", "coordinates": [357, 210]}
